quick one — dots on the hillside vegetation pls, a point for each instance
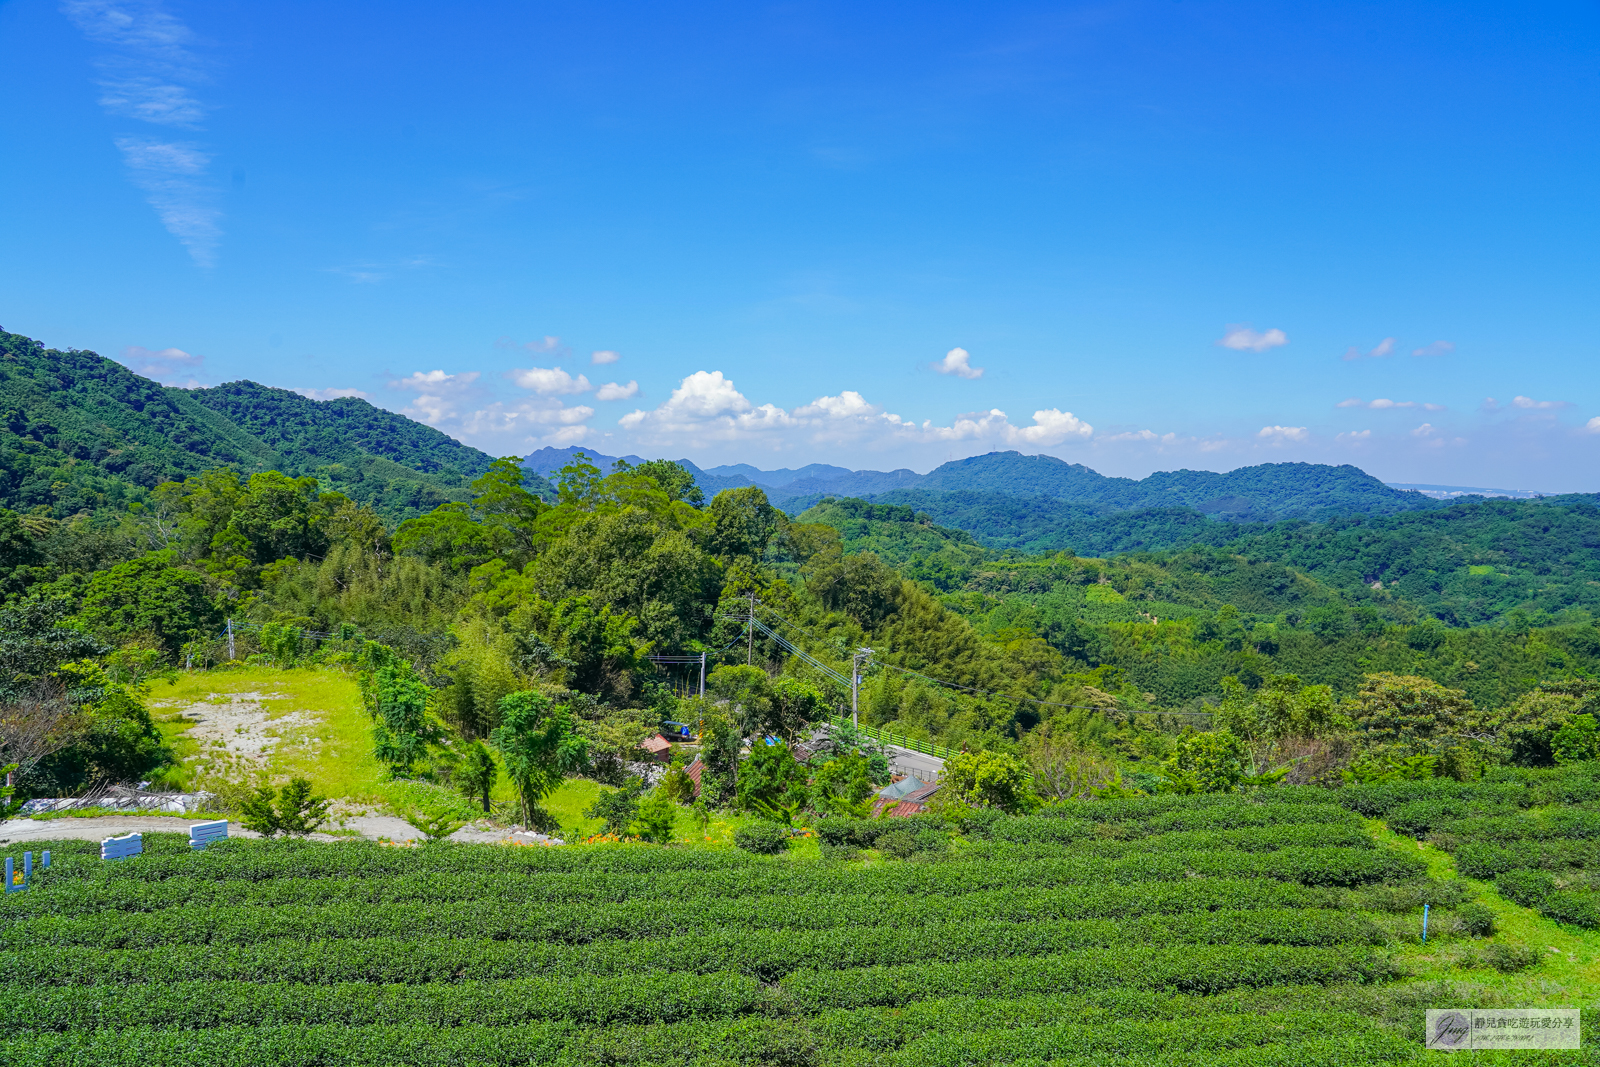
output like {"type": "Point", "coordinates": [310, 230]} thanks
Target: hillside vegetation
{"type": "Point", "coordinates": [79, 433]}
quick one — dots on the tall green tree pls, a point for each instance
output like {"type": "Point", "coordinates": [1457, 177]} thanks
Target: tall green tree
{"type": "Point", "coordinates": [541, 746]}
{"type": "Point", "coordinates": [150, 596]}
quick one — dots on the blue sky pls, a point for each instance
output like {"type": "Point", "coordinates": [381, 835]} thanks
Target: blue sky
{"type": "Point", "coordinates": [1160, 234]}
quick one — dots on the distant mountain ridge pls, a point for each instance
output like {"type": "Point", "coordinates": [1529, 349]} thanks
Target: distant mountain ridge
{"type": "Point", "coordinates": [1262, 493]}
{"type": "Point", "coordinates": [79, 431]}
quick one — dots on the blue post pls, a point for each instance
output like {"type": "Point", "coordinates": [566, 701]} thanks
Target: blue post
{"type": "Point", "coordinates": [27, 868]}
{"type": "Point", "coordinates": [1424, 924]}
{"type": "Point", "coordinates": [46, 862]}
{"type": "Point", "coordinates": [9, 872]}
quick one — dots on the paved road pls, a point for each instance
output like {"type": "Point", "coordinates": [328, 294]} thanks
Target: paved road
{"type": "Point", "coordinates": [910, 761]}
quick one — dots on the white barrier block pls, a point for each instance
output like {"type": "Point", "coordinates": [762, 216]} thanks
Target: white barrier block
{"type": "Point", "coordinates": [116, 848]}
{"type": "Point", "coordinates": [202, 834]}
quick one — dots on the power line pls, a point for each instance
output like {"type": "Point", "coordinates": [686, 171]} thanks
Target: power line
{"type": "Point", "coordinates": [990, 694]}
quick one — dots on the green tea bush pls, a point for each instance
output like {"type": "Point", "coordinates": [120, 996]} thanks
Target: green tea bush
{"type": "Point", "coordinates": [1476, 920]}
{"type": "Point", "coordinates": [1488, 860]}
{"type": "Point", "coordinates": [1509, 959]}
{"type": "Point", "coordinates": [1170, 931]}
{"type": "Point", "coordinates": [764, 838]}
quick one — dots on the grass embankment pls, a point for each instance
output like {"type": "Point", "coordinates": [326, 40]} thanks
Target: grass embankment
{"type": "Point", "coordinates": [1566, 977]}
{"type": "Point", "coordinates": [264, 724]}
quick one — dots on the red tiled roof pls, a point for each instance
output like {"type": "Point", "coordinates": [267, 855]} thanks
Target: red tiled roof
{"type": "Point", "coordinates": [656, 745]}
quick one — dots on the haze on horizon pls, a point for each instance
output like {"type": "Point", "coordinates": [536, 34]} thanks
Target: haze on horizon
{"type": "Point", "coordinates": [1140, 236]}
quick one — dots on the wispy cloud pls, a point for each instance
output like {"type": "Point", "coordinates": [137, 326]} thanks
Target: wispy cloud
{"type": "Point", "coordinates": [169, 366]}
{"type": "Point", "coordinates": [1382, 404]}
{"type": "Point", "coordinates": [1382, 350]}
{"type": "Point", "coordinates": [172, 176]}
{"type": "Point", "coordinates": [1522, 403]}
{"type": "Point", "coordinates": [604, 356]}
{"type": "Point", "coordinates": [148, 75]}
{"type": "Point", "coordinates": [1279, 434]}
{"type": "Point", "coordinates": [1241, 338]}
{"type": "Point", "coordinates": [1593, 425]}
{"type": "Point", "coordinates": [1527, 403]}
{"type": "Point", "coordinates": [957, 362]}
{"type": "Point", "coordinates": [1437, 348]}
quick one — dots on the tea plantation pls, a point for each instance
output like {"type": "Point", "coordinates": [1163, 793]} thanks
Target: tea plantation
{"type": "Point", "coordinates": [1181, 931]}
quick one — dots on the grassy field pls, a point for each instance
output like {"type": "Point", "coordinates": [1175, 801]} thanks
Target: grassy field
{"type": "Point", "coordinates": [1172, 931]}
{"type": "Point", "coordinates": [315, 727]}
{"type": "Point", "coordinates": [313, 718]}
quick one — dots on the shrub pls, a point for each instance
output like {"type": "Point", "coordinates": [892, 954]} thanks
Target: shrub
{"type": "Point", "coordinates": [1526, 887]}
{"type": "Point", "coordinates": [763, 838]}
{"type": "Point", "coordinates": [1411, 896]}
{"type": "Point", "coordinates": [296, 814]}
{"type": "Point", "coordinates": [1509, 959]}
{"type": "Point", "coordinates": [1580, 907]}
{"type": "Point", "coordinates": [1476, 919]}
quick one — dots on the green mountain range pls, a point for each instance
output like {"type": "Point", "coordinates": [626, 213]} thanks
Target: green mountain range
{"type": "Point", "coordinates": [80, 432]}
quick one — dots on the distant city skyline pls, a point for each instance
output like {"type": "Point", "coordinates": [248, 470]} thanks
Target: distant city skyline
{"type": "Point", "coordinates": [1140, 237]}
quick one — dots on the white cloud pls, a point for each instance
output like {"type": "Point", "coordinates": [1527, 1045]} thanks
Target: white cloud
{"type": "Point", "coordinates": [330, 394]}
{"type": "Point", "coordinates": [707, 406]}
{"type": "Point", "coordinates": [147, 76]}
{"type": "Point", "coordinates": [1527, 403]}
{"type": "Point", "coordinates": [1437, 348]}
{"type": "Point", "coordinates": [549, 381]}
{"type": "Point", "coordinates": [1425, 430]}
{"type": "Point", "coordinates": [1137, 435]}
{"type": "Point", "coordinates": [1382, 404]}
{"type": "Point", "coordinates": [1354, 435]}
{"type": "Point", "coordinates": [435, 381]}
{"type": "Point", "coordinates": [171, 176]}
{"type": "Point", "coordinates": [848, 404]}
{"type": "Point", "coordinates": [438, 394]}
{"type": "Point", "coordinates": [530, 415]}
{"type": "Point", "coordinates": [1241, 338]}
{"type": "Point", "coordinates": [1279, 434]}
{"type": "Point", "coordinates": [956, 362]}
{"type": "Point", "coordinates": [1593, 425]}
{"type": "Point", "coordinates": [614, 391]}
{"type": "Point", "coordinates": [544, 344]}
{"type": "Point", "coordinates": [151, 100]}
{"type": "Point", "coordinates": [169, 366]}
{"type": "Point", "coordinates": [702, 395]}
{"type": "Point", "coordinates": [1051, 426]}
{"type": "Point", "coordinates": [1381, 350]}
{"type": "Point", "coordinates": [604, 356]}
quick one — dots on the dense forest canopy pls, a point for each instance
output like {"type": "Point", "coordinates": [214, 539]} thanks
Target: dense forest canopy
{"type": "Point", "coordinates": [506, 592]}
{"type": "Point", "coordinates": [140, 523]}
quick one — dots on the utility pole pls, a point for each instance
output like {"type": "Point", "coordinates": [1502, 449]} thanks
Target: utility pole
{"type": "Point", "coordinates": [750, 652]}
{"type": "Point", "coordinates": [702, 676]}
{"type": "Point", "coordinates": [855, 683]}
{"type": "Point", "coordinates": [230, 638]}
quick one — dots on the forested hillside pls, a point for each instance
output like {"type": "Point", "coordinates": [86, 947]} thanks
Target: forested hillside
{"type": "Point", "coordinates": [1471, 563]}
{"type": "Point", "coordinates": [79, 432]}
